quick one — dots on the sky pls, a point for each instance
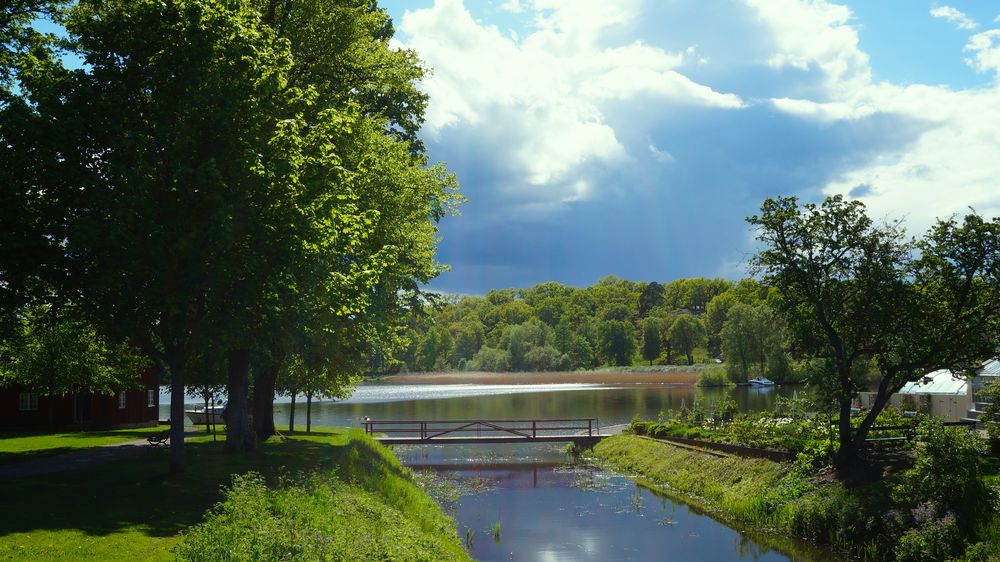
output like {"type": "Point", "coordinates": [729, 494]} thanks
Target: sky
{"type": "Point", "coordinates": [634, 137]}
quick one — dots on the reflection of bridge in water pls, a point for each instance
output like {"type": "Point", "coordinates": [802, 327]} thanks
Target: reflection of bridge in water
{"type": "Point", "coordinates": [582, 431]}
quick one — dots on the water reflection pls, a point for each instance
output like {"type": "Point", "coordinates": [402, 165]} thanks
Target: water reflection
{"type": "Point", "coordinates": [548, 507]}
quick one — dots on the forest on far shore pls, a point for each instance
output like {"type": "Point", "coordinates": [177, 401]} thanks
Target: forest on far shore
{"type": "Point", "coordinates": [615, 322]}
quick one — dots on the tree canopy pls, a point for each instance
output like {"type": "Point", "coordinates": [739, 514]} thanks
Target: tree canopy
{"type": "Point", "coordinates": [855, 291]}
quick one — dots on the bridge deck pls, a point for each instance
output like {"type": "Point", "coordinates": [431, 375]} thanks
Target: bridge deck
{"type": "Point", "coordinates": [462, 440]}
{"type": "Point", "coordinates": [404, 432]}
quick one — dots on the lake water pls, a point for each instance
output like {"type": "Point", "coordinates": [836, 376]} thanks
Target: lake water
{"type": "Point", "coordinates": [548, 506]}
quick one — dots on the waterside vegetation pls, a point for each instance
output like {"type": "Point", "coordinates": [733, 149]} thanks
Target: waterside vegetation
{"type": "Point", "coordinates": [943, 506]}
{"type": "Point", "coordinates": [344, 487]}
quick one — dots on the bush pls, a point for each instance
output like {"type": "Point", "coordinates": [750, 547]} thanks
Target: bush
{"type": "Point", "coordinates": [693, 433]}
{"type": "Point", "coordinates": [490, 359]}
{"type": "Point", "coordinates": [935, 539]}
{"type": "Point", "coordinates": [316, 518]}
{"type": "Point", "coordinates": [948, 474]}
{"type": "Point", "coordinates": [713, 376]}
{"type": "Point", "coordinates": [991, 415]}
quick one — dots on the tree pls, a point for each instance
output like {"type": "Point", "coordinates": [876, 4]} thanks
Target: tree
{"type": "Point", "coordinates": [616, 343]}
{"type": "Point", "coordinates": [652, 338]}
{"type": "Point", "coordinates": [685, 334]}
{"type": "Point", "coordinates": [55, 354]}
{"type": "Point", "coordinates": [177, 173]}
{"type": "Point", "coordinates": [857, 292]}
{"type": "Point", "coordinates": [752, 334]}
{"type": "Point", "coordinates": [650, 298]}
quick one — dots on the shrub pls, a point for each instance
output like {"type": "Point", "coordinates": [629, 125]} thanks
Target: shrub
{"type": "Point", "coordinates": [935, 539]}
{"type": "Point", "coordinates": [316, 518]}
{"type": "Point", "coordinates": [693, 433]}
{"type": "Point", "coordinates": [991, 415]}
{"type": "Point", "coordinates": [947, 473]}
{"type": "Point", "coordinates": [713, 376]}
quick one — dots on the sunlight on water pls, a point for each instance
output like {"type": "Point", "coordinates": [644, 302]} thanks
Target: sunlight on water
{"type": "Point", "coordinates": [370, 394]}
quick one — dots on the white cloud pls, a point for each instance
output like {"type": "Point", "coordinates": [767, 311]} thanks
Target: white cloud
{"type": "Point", "coordinates": [539, 103]}
{"type": "Point", "coordinates": [985, 49]}
{"type": "Point", "coordinates": [512, 6]}
{"type": "Point", "coordinates": [661, 155]}
{"type": "Point", "coordinates": [951, 163]}
{"type": "Point", "coordinates": [955, 16]}
{"type": "Point", "coordinates": [815, 34]}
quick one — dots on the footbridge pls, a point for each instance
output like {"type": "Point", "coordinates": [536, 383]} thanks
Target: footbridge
{"type": "Point", "coordinates": [582, 431]}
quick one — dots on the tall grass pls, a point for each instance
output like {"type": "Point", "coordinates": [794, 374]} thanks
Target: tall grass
{"type": "Point", "coordinates": [367, 508]}
{"type": "Point", "coordinates": [713, 376]}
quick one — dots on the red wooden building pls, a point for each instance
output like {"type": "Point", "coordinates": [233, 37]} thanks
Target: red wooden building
{"type": "Point", "coordinates": [20, 408]}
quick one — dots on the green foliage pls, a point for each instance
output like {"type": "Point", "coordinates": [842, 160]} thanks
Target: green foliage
{"type": "Point", "coordinates": [615, 342]}
{"type": "Point", "coordinates": [652, 338]}
{"type": "Point", "coordinates": [947, 477]}
{"type": "Point", "coordinates": [713, 376]}
{"type": "Point", "coordinates": [56, 354]}
{"type": "Point", "coordinates": [990, 393]}
{"type": "Point", "coordinates": [608, 322]}
{"type": "Point", "coordinates": [685, 334]}
{"type": "Point", "coordinates": [857, 292]}
{"type": "Point", "coordinates": [314, 517]}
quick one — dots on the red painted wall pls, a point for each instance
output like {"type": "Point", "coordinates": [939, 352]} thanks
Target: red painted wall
{"type": "Point", "coordinates": [71, 412]}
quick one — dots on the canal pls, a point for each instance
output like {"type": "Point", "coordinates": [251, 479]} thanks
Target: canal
{"type": "Point", "coordinates": [534, 501]}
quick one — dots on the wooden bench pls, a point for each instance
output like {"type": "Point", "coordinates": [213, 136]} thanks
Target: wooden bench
{"type": "Point", "coordinates": [159, 439]}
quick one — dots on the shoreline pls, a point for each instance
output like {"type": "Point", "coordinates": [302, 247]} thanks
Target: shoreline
{"type": "Point", "coordinates": [618, 378]}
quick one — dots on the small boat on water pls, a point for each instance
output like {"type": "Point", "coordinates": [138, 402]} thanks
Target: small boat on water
{"type": "Point", "coordinates": [761, 381]}
{"type": "Point", "coordinates": [202, 416]}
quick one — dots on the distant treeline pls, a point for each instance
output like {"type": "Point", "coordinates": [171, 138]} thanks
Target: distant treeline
{"type": "Point", "coordinates": [615, 322]}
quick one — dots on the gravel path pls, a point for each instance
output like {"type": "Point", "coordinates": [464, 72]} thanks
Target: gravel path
{"type": "Point", "coordinates": [76, 460]}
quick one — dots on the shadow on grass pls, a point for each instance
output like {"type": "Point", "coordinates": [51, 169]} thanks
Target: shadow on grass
{"type": "Point", "coordinates": [138, 494]}
{"type": "Point", "coordinates": [23, 446]}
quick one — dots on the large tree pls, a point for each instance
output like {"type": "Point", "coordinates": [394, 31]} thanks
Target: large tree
{"type": "Point", "coordinates": [175, 167]}
{"type": "Point", "coordinates": [55, 353]}
{"type": "Point", "coordinates": [685, 334]}
{"type": "Point", "coordinates": [855, 291]}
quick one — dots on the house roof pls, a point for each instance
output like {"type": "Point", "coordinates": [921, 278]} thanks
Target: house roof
{"type": "Point", "coordinates": [991, 367]}
{"type": "Point", "coordinates": [941, 381]}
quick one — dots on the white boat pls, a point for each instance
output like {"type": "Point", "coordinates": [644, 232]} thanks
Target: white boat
{"type": "Point", "coordinates": [201, 416]}
{"type": "Point", "coordinates": [761, 381]}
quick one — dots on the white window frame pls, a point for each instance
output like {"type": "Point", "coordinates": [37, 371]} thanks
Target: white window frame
{"type": "Point", "coordinates": [150, 398]}
{"type": "Point", "coordinates": [121, 399]}
{"type": "Point", "coordinates": [27, 401]}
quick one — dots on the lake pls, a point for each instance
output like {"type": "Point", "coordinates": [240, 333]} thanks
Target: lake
{"type": "Point", "coordinates": [548, 506]}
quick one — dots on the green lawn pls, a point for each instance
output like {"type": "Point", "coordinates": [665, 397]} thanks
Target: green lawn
{"type": "Point", "coordinates": [133, 509]}
{"type": "Point", "coordinates": [22, 446]}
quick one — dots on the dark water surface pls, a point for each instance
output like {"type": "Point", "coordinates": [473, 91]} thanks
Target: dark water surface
{"type": "Point", "coordinates": [548, 506]}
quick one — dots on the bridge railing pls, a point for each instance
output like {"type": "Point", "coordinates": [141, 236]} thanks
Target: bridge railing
{"type": "Point", "coordinates": [525, 428]}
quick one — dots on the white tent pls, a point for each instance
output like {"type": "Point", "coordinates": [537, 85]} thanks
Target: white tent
{"type": "Point", "coordinates": [941, 381]}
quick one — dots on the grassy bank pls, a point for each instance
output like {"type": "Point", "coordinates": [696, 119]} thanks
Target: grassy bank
{"type": "Point", "coordinates": [22, 446]}
{"type": "Point", "coordinates": [132, 509]}
{"type": "Point", "coordinates": [871, 521]}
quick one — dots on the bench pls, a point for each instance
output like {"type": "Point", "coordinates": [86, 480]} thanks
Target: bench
{"type": "Point", "coordinates": [159, 439]}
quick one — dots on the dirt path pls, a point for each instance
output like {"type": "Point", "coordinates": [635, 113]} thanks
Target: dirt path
{"type": "Point", "coordinates": [77, 460]}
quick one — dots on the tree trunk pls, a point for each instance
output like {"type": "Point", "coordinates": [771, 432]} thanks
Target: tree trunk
{"type": "Point", "coordinates": [176, 417]}
{"type": "Point", "coordinates": [291, 414]}
{"type": "Point", "coordinates": [670, 354]}
{"type": "Point", "coordinates": [309, 403]}
{"type": "Point", "coordinates": [239, 436]}
{"type": "Point", "coordinates": [208, 414]}
{"type": "Point", "coordinates": [847, 453]}
{"type": "Point", "coordinates": [263, 401]}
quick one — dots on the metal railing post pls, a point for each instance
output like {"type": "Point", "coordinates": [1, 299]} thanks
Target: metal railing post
{"type": "Point", "coordinates": [534, 429]}
{"type": "Point", "coordinates": [590, 428]}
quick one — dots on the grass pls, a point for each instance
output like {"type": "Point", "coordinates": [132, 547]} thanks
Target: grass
{"type": "Point", "coordinates": [133, 509]}
{"type": "Point", "coordinates": [778, 498]}
{"type": "Point", "coordinates": [24, 446]}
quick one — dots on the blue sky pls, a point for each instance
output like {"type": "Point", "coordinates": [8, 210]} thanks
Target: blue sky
{"type": "Point", "coordinates": [634, 137]}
